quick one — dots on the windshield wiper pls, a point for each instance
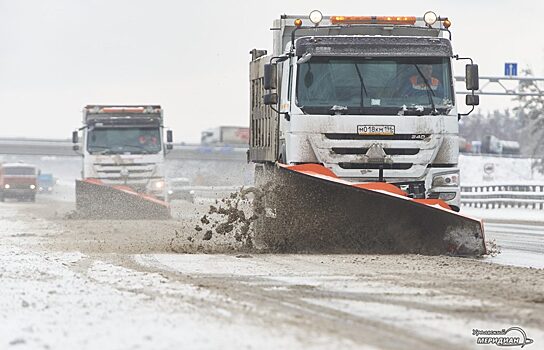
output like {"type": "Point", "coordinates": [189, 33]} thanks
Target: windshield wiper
{"type": "Point", "coordinates": [104, 149]}
{"type": "Point", "coordinates": [339, 109]}
{"type": "Point", "coordinates": [139, 147]}
{"type": "Point", "coordinates": [429, 90]}
{"type": "Point", "coordinates": [363, 87]}
{"type": "Point", "coordinates": [411, 110]}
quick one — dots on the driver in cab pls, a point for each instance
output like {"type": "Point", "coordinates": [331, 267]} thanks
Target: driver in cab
{"type": "Point", "coordinates": [423, 81]}
{"type": "Point", "coordinates": [147, 141]}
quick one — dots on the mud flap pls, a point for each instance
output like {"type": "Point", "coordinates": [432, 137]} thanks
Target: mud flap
{"type": "Point", "coordinates": [96, 200]}
{"type": "Point", "coordinates": [310, 209]}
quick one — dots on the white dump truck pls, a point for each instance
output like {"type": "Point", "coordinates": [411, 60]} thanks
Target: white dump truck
{"type": "Point", "coordinates": [123, 150]}
{"type": "Point", "coordinates": [364, 102]}
{"type": "Point", "coordinates": [371, 98]}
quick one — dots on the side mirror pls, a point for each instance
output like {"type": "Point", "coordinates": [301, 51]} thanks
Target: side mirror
{"type": "Point", "coordinates": [169, 146]}
{"type": "Point", "coordinates": [75, 137]}
{"type": "Point", "coordinates": [270, 99]}
{"type": "Point", "coordinates": [472, 79]}
{"type": "Point", "coordinates": [305, 58]}
{"type": "Point", "coordinates": [270, 76]}
{"type": "Point", "coordinates": [472, 100]}
{"type": "Point", "coordinates": [169, 136]}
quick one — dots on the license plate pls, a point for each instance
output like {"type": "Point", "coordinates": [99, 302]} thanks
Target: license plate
{"type": "Point", "coordinates": [376, 129]}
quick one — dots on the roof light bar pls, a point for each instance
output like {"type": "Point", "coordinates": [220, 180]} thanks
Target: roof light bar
{"type": "Point", "coordinates": [123, 110]}
{"type": "Point", "coordinates": [406, 20]}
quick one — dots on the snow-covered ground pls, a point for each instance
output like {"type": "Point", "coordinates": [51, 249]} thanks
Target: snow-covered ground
{"type": "Point", "coordinates": [505, 171]}
{"type": "Point", "coordinates": [82, 284]}
{"type": "Point", "coordinates": [506, 214]}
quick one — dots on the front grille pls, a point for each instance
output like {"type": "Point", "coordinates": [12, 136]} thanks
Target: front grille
{"type": "Point", "coordinates": [339, 136]}
{"type": "Point", "coordinates": [118, 171]}
{"type": "Point", "coordinates": [388, 151]}
{"type": "Point", "coordinates": [386, 166]}
{"type": "Point", "coordinates": [19, 186]}
{"type": "Point", "coordinates": [128, 165]}
{"type": "Point", "coordinates": [134, 171]}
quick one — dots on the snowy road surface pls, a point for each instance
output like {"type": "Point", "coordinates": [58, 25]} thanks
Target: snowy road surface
{"type": "Point", "coordinates": [79, 284]}
{"type": "Point", "coordinates": [520, 244]}
{"type": "Point", "coordinates": [518, 233]}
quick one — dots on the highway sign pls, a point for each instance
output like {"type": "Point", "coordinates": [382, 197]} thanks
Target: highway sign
{"type": "Point", "coordinates": [510, 69]}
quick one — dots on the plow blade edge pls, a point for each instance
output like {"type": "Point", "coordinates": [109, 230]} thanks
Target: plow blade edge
{"type": "Point", "coordinates": [313, 210]}
{"type": "Point", "coordinates": [96, 200]}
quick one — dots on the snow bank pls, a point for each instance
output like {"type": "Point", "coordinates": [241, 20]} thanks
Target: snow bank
{"type": "Point", "coordinates": [505, 170]}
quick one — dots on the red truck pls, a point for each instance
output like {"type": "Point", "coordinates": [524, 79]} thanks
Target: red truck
{"type": "Point", "coordinates": [18, 180]}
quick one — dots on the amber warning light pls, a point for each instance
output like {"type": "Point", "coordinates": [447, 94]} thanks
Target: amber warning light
{"type": "Point", "coordinates": [409, 20]}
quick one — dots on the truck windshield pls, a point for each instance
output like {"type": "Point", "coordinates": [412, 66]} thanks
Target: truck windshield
{"type": "Point", "coordinates": [366, 85]}
{"type": "Point", "coordinates": [20, 171]}
{"type": "Point", "coordinates": [132, 140]}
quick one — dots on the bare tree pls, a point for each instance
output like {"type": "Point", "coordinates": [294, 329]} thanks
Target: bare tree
{"type": "Point", "coordinates": [531, 113]}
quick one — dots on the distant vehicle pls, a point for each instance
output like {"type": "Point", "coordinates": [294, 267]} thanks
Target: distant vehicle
{"type": "Point", "coordinates": [122, 146]}
{"type": "Point", "coordinates": [178, 188]}
{"type": "Point", "coordinates": [489, 145]}
{"type": "Point", "coordinates": [226, 136]}
{"type": "Point", "coordinates": [464, 145]}
{"type": "Point", "coordinates": [18, 180]}
{"type": "Point", "coordinates": [476, 147]}
{"type": "Point", "coordinates": [493, 145]}
{"type": "Point", "coordinates": [46, 183]}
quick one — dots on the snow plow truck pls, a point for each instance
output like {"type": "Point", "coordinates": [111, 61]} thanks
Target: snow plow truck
{"type": "Point", "coordinates": [354, 133]}
{"type": "Point", "coordinates": [123, 175]}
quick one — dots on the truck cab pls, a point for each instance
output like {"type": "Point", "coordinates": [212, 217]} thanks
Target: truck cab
{"type": "Point", "coordinates": [370, 98]}
{"type": "Point", "coordinates": [124, 146]}
{"type": "Point", "coordinates": [18, 180]}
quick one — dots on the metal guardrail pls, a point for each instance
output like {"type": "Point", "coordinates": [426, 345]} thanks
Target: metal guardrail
{"type": "Point", "coordinates": [503, 196]}
{"type": "Point", "coordinates": [495, 155]}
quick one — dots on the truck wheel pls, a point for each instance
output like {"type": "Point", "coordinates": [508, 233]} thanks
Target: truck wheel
{"type": "Point", "coordinates": [32, 198]}
{"type": "Point", "coordinates": [2, 197]}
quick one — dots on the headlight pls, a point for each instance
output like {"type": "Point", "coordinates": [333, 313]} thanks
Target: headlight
{"type": "Point", "coordinates": [170, 191]}
{"type": "Point", "coordinates": [50, 189]}
{"type": "Point", "coordinates": [158, 185]}
{"type": "Point", "coordinates": [430, 18]}
{"type": "Point", "coordinates": [316, 17]}
{"type": "Point", "coordinates": [446, 180]}
{"type": "Point", "coordinates": [7, 186]}
{"type": "Point", "coordinates": [32, 187]}
{"type": "Point", "coordinates": [446, 196]}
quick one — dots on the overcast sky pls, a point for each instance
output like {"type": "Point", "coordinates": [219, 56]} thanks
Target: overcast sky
{"type": "Point", "coordinates": [58, 55]}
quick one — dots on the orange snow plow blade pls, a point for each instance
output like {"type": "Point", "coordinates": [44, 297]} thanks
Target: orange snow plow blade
{"type": "Point", "coordinates": [97, 200]}
{"type": "Point", "coordinates": [314, 210]}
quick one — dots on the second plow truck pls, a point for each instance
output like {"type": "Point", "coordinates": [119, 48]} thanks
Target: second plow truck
{"type": "Point", "coordinates": [354, 127]}
{"type": "Point", "coordinates": [123, 174]}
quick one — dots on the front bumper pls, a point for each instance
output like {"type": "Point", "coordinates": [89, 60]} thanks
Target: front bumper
{"type": "Point", "coordinates": [18, 193]}
{"type": "Point", "coordinates": [422, 187]}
